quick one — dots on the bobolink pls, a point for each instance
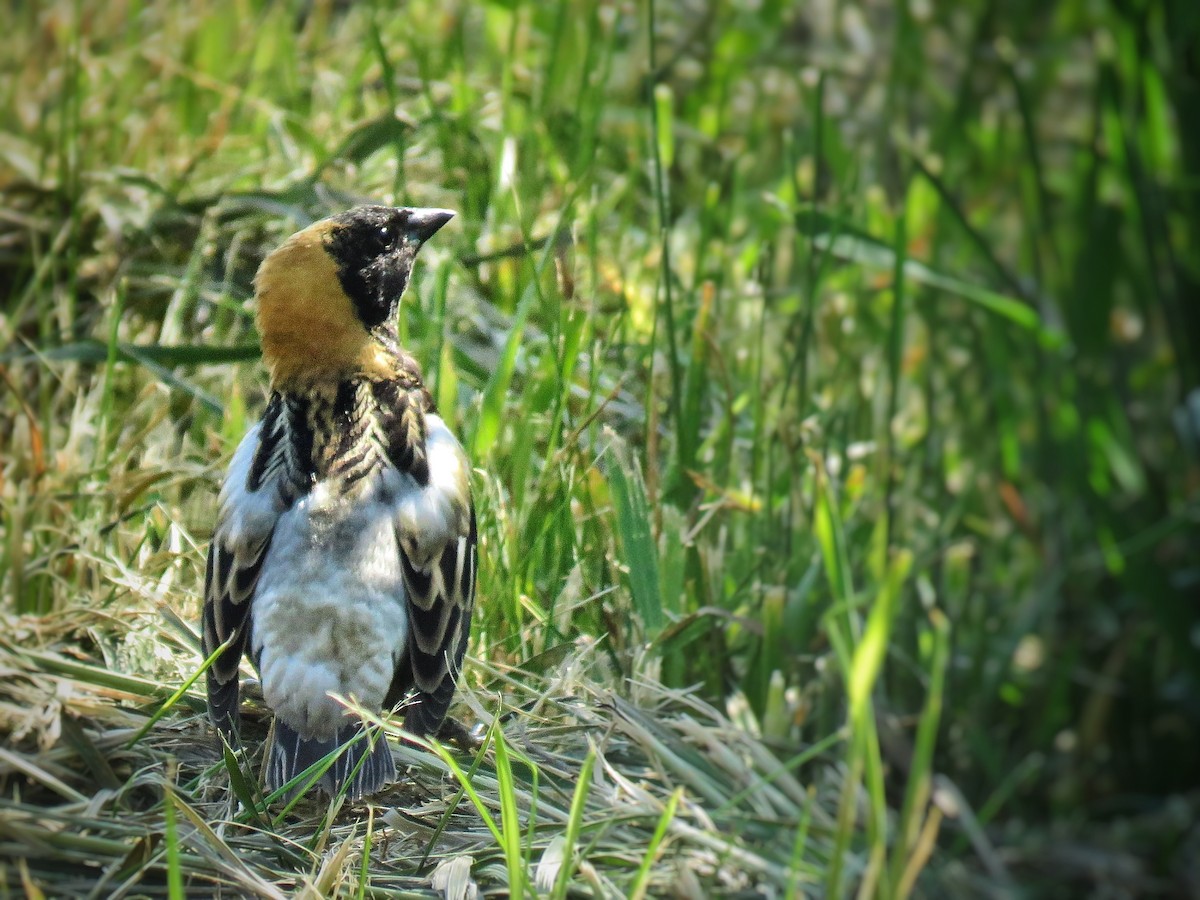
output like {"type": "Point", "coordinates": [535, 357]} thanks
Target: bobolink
{"type": "Point", "coordinates": [343, 560]}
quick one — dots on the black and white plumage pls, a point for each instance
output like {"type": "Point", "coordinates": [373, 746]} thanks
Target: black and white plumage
{"type": "Point", "coordinates": [344, 556]}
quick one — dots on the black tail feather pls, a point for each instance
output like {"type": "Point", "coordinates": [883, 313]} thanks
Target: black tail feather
{"type": "Point", "coordinates": [427, 711]}
{"type": "Point", "coordinates": [223, 707]}
{"type": "Point", "coordinates": [290, 754]}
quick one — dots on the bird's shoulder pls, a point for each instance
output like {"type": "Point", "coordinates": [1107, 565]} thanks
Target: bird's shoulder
{"type": "Point", "coordinates": [360, 435]}
{"type": "Point", "coordinates": [442, 510]}
{"type": "Point", "coordinates": [253, 494]}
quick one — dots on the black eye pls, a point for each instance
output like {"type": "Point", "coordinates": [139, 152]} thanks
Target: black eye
{"type": "Point", "coordinates": [384, 235]}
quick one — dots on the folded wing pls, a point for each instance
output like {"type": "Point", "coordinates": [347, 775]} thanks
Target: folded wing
{"type": "Point", "coordinates": [260, 486]}
{"type": "Point", "coordinates": [436, 536]}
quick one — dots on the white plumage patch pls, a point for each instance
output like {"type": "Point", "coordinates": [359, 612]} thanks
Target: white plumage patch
{"type": "Point", "coordinates": [329, 613]}
{"type": "Point", "coordinates": [246, 516]}
{"type": "Point", "coordinates": [428, 518]}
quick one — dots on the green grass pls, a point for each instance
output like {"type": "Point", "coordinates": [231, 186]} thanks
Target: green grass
{"type": "Point", "coordinates": [823, 373]}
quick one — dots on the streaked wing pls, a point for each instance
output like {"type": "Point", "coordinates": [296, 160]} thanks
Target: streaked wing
{"type": "Point", "coordinates": [439, 561]}
{"type": "Point", "coordinates": [229, 585]}
{"type": "Point", "coordinates": [256, 492]}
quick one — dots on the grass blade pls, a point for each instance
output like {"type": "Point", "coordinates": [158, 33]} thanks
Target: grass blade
{"type": "Point", "coordinates": [574, 825]}
{"type": "Point", "coordinates": [174, 871]}
{"type": "Point", "coordinates": [640, 884]}
{"type": "Point", "coordinates": [510, 820]}
{"type": "Point", "coordinates": [640, 551]}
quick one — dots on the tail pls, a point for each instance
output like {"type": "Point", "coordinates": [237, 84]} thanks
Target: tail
{"type": "Point", "coordinates": [290, 754]}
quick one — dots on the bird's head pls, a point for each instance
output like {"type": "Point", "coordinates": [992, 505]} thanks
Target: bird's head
{"type": "Point", "coordinates": [327, 297]}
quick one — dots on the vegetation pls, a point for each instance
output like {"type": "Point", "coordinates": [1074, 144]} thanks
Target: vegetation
{"type": "Point", "coordinates": [825, 368]}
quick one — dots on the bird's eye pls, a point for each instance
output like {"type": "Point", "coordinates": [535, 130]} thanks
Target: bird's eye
{"type": "Point", "coordinates": [384, 234]}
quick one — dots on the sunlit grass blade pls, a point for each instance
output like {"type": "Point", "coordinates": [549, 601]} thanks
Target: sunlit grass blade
{"type": "Point", "coordinates": [879, 255]}
{"type": "Point", "coordinates": [869, 653]}
{"type": "Point", "coordinates": [364, 866]}
{"type": "Point", "coordinates": [798, 848]}
{"type": "Point", "coordinates": [570, 847]}
{"type": "Point", "coordinates": [452, 806]}
{"type": "Point", "coordinates": [170, 702]}
{"type": "Point", "coordinates": [642, 881]}
{"type": "Point", "coordinates": [487, 427]}
{"type": "Point", "coordinates": [510, 821]}
{"type": "Point", "coordinates": [637, 540]}
{"type": "Point", "coordinates": [910, 849]}
{"type": "Point", "coordinates": [512, 859]}
{"type": "Point", "coordinates": [295, 789]}
{"type": "Point", "coordinates": [174, 873]}
{"type": "Point", "coordinates": [242, 786]}
{"type": "Point", "coordinates": [831, 538]}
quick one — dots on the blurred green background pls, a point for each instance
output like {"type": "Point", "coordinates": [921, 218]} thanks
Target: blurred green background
{"type": "Point", "coordinates": [832, 357]}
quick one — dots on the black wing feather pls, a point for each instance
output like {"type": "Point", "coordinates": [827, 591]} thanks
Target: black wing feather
{"type": "Point", "coordinates": [441, 599]}
{"type": "Point", "coordinates": [231, 574]}
{"type": "Point", "coordinates": [224, 620]}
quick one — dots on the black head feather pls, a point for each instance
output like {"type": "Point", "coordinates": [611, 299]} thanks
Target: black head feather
{"type": "Point", "coordinates": [374, 248]}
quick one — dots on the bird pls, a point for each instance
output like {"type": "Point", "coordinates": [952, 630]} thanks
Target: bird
{"type": "Point", "coordinates": [343, 559]}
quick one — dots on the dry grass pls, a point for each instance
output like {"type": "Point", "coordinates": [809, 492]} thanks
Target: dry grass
{"type": "Point", "coordinates": [88, 793]}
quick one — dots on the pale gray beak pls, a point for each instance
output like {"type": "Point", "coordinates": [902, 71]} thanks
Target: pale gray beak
{"type": "Point", "coordinates": [424, 223]}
